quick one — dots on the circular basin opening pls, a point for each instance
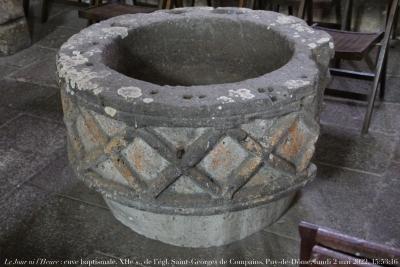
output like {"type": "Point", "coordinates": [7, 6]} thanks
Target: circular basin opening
{"type": "Point", "coordinates": [199, 51]}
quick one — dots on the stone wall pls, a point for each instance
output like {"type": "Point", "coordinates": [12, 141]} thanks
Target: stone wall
{"type": "Point", "coordinates": [14, 33]}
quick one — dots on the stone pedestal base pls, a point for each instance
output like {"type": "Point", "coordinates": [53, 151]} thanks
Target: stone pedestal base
{"type": "Point", "coordinates": [14, 36]}
{"type": "Point", "coordinates": [200, 231]}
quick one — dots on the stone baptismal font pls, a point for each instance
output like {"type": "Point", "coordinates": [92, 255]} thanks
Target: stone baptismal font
{"type": "Point", "coordinates": [197, 125]}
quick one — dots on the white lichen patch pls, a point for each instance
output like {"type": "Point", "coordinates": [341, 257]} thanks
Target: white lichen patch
{"type": "Point", "coordinates": [225, 99]}
{"type": "Point", "coordinates": [114, 31]}
{"type": "Point", "coordinates": [110, 111]}
{"type": "Point", "coordinates": [148, 100]}
{"type": "Point", "coordinates": [323, 40]}
{"type": "Point", "coordinates": [284, 19]}
{"type": "Point", "coordinates": [312, 45]}
{"type": "Point", "coordinates": [302, 28]}
{"type": "Point", "coordinates": [70, 68]}
{"type": "Point", "coordinates": [130, 92]}
{"type": "Point", "coordinates": [219, 107]}
{"type": "Point", "coordinates": [293, 84]}
{"type": "Point", "coordinates": [242, 93]}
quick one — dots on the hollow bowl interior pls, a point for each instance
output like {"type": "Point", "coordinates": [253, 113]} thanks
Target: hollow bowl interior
{"type": "Point", "coordinates": [199, 51]}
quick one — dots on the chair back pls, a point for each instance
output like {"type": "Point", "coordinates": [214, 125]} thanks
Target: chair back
{"type": "Point", "coordinates": [324, 245]}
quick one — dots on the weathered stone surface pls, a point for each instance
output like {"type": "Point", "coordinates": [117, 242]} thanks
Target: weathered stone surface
{"type": "Point", "coordinates": [10, 10]}
{"type": "Point", "coordinates": [14, 36]}
{"type": "Point", "coordinates": [167, 133]}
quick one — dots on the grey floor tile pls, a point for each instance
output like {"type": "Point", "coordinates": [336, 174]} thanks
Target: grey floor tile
{"type": "Point", "coordinates": [56, 38]}
{"type": "Point", "coordinates": [34, 135]}
{"type": "Point", "coordinates": [348, 148]}
{"type": "Point", "coordinates": [338, 199]}
{"type": "Point", "coordinates": [26, 56]}
{"type": "Point", "coordinates": [350, 85]}
{"type": "Point", "coordinates": [6, 114]}
{"type": "Point", "coordinates": [350, 114]}
{"type": "Point", "coordinates": [41, 72]}
{"type": "Point", "coordinates": [396, 156]}
{"type": "Point", "coordinates": [87, 231]}
{"type": "Point", "coordinates": [392, 93]}
{"type": "Point", "coordinates": [18, 95]}
{"type": "Point", "coordinates": [394, 57]}
{"type": "Point", "coordinates": [70, 19]}
{"type": "Point", "coordinates": [383, 225]}
{"type": "Point", "coordinates": [46, 107]}
{"type": "Point", "coordinates": [6, 69]}
{"type": "Point", "coordinates": [17, 212]}
{"type": "Point", "coordinates": [56, 228]}
{"type": "Point", "coordinates": [60, 179]}
{"type": "Point", "coordinates": [16, 167]}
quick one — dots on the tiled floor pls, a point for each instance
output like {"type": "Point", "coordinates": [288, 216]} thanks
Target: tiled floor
{"type": "Point", "coordinates": [46, 212]}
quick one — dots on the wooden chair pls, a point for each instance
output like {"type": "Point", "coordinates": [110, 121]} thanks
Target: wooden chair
{"type": "Point", "coordinates": [356, 46]}
{"type": "Point", "coordinates": [320, 245]}
{"type": "Point", "coordinates": [101, 12]}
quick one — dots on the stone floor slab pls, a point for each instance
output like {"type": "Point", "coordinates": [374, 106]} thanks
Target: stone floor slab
{"type": "Point", "coordinates": [6, 69]}
{"type": "Point", "coordinates": [16, 214]}
{"type": "Point", "coordinates": [347, 148]}
{"type": "Point", "coordinates": [396, 156]}
{"type": "Point", "coordinates": [26, 56]}
{"type": "Point", "coordinates": [42, 72]}
{"type": "Point", "coordinates": [46, 107]}
{"type": "Point", "coordinates": [383, 226]}
{"type": "Point", "coordinates": [392, 93]}
{"type": "Point", "coordinates": [18, 95]}
{"type": "Point", "coordinates": [350, 114]}
{"type": "Point", "coordinates": [58, 178]}
{"type": "Point", "coordinates": [33, 135]}
{"type": "Point", "coordinates": [56, 38]}
{"type": "Point", "coordinates": [71, 20]}
{"type": "Point", "coordinates": [87, 231]}
{"type": "Point", "coordinates": [17, 167]}
{"type": "Point", "coordinates": [6, 114]}
{"type": "Point", "coordinates": [339, 199]}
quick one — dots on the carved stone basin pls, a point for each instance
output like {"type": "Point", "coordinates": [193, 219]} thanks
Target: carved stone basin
{"type": "Point", "coordinates": [197, 125]}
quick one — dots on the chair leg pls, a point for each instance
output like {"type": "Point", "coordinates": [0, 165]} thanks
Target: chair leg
{"type": "Point", "coordinates": [177, 3]}
{"type": "Point", "coordinates": [209, 3]}
{"type": "Point", "coordinates": [370, 108]}
{"type": "Point", "coordinates": [169, 4]}
{"type": "Point", "coordinates": [302, 9]}
{"type": "Point", "coordinates": [26, 7]}
{"type": "Point", "coordinates": [45, 11]}
{"type": "Point", "coordinates": [310, 17]}
{"type": "Point", "coordinates": [395, 22]}
{"type": "Point", "coordinates": [290, 10]}
{"type": "Point", "coordinates": [383, 77]}
{"type": "Point", "coordinates": [380, 65]}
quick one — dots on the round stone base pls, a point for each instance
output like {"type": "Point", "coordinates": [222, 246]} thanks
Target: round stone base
{"type": "Point", "coordinates": [200, 231]}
